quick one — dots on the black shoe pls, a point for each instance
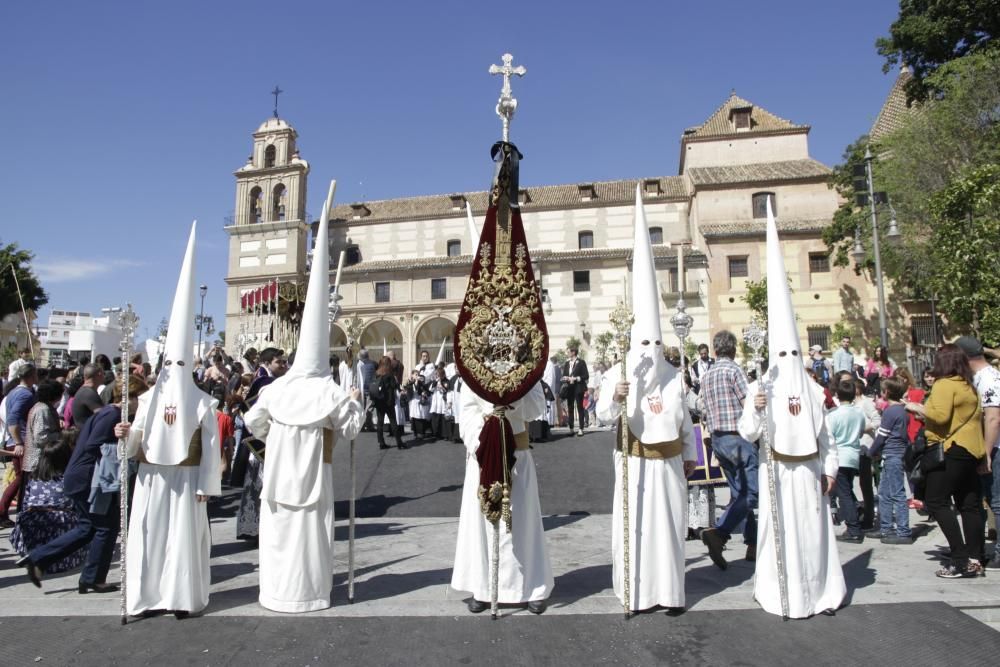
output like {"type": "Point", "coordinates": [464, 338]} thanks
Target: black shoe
{"type": "Point", "coordinates": [829, 612]}
{"type": "Point", "coordinates": [5, 522]}
{"type": "Point", "coordinates": [851, 539]}
{"type": "Point", "coordinates": [402, 446]}
{"type": "Point", "coordinates": [674, 611]}
{"type": "Point", "coordinates": [537, 606]}
{"type": "Point", "coordinates": [34, 572]}
{"type": "Point", "coordinates": [382, 445]}
{"type": "Point", "coordinates": [477, 606]}
{"type": "Point", "coordinates": [715, 543]}
{"type": "Point", "coordinates": [896, 539]}
{"type": "Point", "coordinates": [873, 532]}
{"type": "Point", "coordinates": [97, 588]}
{"type": "Point", "coordinates": [751, 552]}
{"type": "Point", "coordinates": [181, 615]}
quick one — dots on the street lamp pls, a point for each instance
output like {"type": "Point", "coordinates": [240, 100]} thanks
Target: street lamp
{"type": "Point", "coordinates": [893, 236]}
{"type": "Point", "coordinates": [203, 290]}
{"type": "Point", "coordinates": [681, 322]}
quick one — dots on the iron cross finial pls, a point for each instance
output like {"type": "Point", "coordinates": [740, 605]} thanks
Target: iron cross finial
{"type": "Point", "coordinates": [277, 91]}
{"type": "Point", "coordinates": [507, 104]}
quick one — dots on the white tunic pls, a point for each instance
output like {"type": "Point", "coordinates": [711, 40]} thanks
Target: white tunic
{"type": "Point", "coordinates": [814, 575]}
{"type": "Point", "coordinates": [169, 541]}
{"type": "Point", "coordinates": [439, 398]}
{"type": "Point", "coordinates": [296, 509]}
{"type": "Point", "coordinates": [658, 505]}
{"type": "Point", "coordinates": [525, 569]}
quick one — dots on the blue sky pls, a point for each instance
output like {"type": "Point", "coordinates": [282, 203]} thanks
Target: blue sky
{"type": "Point", "coordinates": [124, 121]}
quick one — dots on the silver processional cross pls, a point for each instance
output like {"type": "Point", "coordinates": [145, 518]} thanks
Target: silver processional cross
{"type": "Point", "coordinates": [507, 104]}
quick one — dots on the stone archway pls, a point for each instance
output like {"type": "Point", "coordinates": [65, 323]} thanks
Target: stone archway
{"type": "Point", "coordinates": [338, 338]}
{"type": "Point", "coordinates": [382, 335]}
{"type": "Point", "coordinates": [430, 335]}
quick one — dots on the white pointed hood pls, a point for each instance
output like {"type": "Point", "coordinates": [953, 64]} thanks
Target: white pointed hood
{"type": "Point", "coordinates": [473, 232]}
{"type": "Point", "coordinates": [647, 369]}
{"type": "Point", "coordinates": [175, 406]}
{"type": "Point", "coordinates": [796, 401]}
{"type": "Point", "coordinates": [304, 395]}
{"type": "Point", "coordinates": [440, 357]}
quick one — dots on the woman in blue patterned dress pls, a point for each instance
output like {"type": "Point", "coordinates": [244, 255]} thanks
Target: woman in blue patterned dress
{"type": "Point", "coordinates": [48, 513]}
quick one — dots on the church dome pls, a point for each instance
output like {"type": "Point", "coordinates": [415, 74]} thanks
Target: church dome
{"type": "Point", "coordinates": [273, 124]}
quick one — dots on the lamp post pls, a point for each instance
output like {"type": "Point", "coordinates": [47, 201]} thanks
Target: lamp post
{"type": "Point", "coordinates": [681, 322]}
{"type": "Point", "coordinates": [892, 235]}
{"type": "Point", "coordinates": [203, 290]}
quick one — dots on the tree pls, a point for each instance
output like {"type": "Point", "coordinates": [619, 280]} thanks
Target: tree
{"type": "Point", "coordinates": [953, 133]}
{"type": "Point", "coordinates": [966, 275]}
{"type": "Point", "coordinates": [756, 299]}
{"type": "Point", "coordinates": [602, 345]}
{"type": "Point", "coordinates": [34, 296]}
{"type": "Point", "coordinates": [930, 33]}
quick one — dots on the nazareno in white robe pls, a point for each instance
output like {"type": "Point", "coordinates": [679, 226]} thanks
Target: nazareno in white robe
{"type": "Point", "coordinates": [814, 575]}
{"type": "Point", "coordinates": [296, 508]}
{"type": "Point", "coordinates": [658, 503]}
{"type": "Point", "coordinates": [525, 569]}
{"type": "Point", "coordinates": [169, 541]}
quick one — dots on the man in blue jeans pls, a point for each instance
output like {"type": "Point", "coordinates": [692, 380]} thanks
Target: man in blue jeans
{"type": "Point", "coordinates": [723, 390]}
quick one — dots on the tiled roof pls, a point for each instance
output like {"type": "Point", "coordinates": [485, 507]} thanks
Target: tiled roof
{"type": "Point", "coordinates": [894, 111]}
{"type": "Point", "coordinates": [661, 253]}
{"type": "Point", "coordinates": [606, 193]}
{"type": "Point", "coordinates": [761, 120]}
{"type": "Point", "coordinates": [751, 173]}
{"type": "Point", "coordinates": [756, 228]}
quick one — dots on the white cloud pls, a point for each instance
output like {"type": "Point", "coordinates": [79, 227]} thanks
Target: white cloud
{"type": "Point", "coordinates": [68, 270]}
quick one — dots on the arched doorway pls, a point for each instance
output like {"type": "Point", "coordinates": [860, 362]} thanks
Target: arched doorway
{"type": "Point", "coordinates": [338, 339]}
{"type": "Point", "coordinates": [430, 336]}
{"type": "Point", "coordinates": [382, 335]}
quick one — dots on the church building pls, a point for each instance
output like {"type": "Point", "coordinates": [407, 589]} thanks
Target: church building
{"type": "Point", "coordinates": [408, 260]}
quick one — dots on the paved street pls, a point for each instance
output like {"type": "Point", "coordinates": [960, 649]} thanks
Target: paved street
{"type": "Point", "coordinates": [404, 606]}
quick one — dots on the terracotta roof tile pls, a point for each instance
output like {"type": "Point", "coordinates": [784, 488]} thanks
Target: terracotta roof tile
{"type": "Point", "coordinates": [751, 173]}
{"type": "Point", "coordinates": [606, 193]}
{"type": "Point", "coordinates": [894, 111]}
{"type": "Point", "coordinates": [756, 228]}
{"type": "Point", "coordinates": [761, 120]}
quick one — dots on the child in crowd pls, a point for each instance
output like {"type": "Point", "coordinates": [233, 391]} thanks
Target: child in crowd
{"type": "Point", "coordinates": [846, 423]}
{"type": "Point", "coordinates": [890, 444]}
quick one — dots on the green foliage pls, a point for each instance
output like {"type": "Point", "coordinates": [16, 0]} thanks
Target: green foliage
{"type": "Point", "coordinates": [602, 346]}
{"type": "Point", "coordinates": [756, 299]}
{"type": "Point", "coordinates": [966, 275]}
{"type": "Point", "coordinates": [930, 33]}
{"type": "Point", "coordinates": [690, 349]}
{"type": "Point", "coordinates": [954, 133]}
{"type": "Point", "coordinates": [840, 330]}
{"type": "Point", "coordinates": [34, 296]}
{"type": "Point", "coordinates": [573, 341]}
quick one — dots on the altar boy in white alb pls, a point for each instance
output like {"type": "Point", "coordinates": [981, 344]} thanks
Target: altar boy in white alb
{"type": "Point", "coordinates": [662, 448]}
{"type": "Point", "coordinates": [789, 405]}
{"type": "Point", "coordinates": [301, 416]}
{"type": "Point", "coordinates": [176, 438]}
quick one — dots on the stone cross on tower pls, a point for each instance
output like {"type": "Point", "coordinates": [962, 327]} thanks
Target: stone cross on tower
{"type": "Point", "coordinates": [507, 104]}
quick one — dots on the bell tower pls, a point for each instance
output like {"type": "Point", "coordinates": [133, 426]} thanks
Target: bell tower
{"type": "Point", "coordinates": [268, 230]}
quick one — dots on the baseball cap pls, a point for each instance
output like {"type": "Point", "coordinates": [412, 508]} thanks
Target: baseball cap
{"type": "Point", "coordinates": [969, 345]}
{"type": "Point", "coordinates": [816, 348]}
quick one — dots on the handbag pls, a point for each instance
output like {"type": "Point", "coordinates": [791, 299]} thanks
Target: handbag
{"type": "Point", "coordinates": [926, 457]}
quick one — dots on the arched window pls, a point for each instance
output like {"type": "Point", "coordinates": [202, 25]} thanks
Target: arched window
{"type": "Point", "coordinates": [656, 235]}
{"type": "Point", "coordinates": [256, 206]}
{"type": "Point", "coordinates": [454, 248]}
{"type": "Point", "coordinates": [760, 204]}
{"type": "Point", "coordinates": [269, 154]}
{"type": "Point", "coordinates": [278, 203]}
{"type": "Point", "coordinates": [585, 240]}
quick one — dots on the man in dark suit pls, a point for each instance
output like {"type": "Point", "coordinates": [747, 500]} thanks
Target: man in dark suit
{"type": "Point", "coordinates": [574, 387]}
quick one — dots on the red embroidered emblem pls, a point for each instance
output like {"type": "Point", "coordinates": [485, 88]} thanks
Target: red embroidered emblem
{"type": "Point", "coordinates": [655, 403]}
{"type": "Point", "coordinates": [170, 414]}
{"type": "Point", "coordinates": [795, 405]}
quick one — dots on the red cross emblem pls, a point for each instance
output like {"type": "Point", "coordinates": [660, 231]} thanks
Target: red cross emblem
{"type": "Point", "coordinates": [655, 404]}
{"type": "Point", "coordinates": [795, 405]}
